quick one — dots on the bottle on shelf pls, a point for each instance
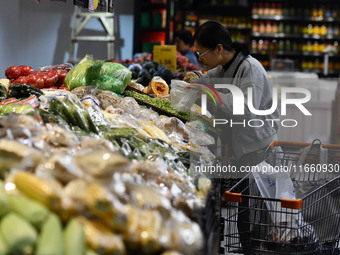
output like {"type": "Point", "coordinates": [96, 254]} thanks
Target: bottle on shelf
{"type": "Point", "coordinates": [279, 9]}
{"type": "Point", "coordinates": [255, 27]}
{"type": "Point", "coordinates": [275, 28]}
{"type": "Point", "coordinates": [316, 30]}
{"type": "Point", "coordinates": [323, 29]}
{"type": "Point", "coordinates": [266, 10]}
{"type": "Point", "coordinates": [260, 9]}
{"type": "Point", "coordinates": [268, 27]}
{"type": "Point", "coordinates": [255, 9]}
{"type": "Point", "coordinates": [272, 10]}
{"type": "Point", "coordinates": [281, 27]}
{"type": "Point", "coordinates": [262, 27]}
{"type": "Point", "coordinates": [254, 45]}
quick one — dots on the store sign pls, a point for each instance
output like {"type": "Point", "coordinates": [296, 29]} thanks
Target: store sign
{"type": "Point", "coordinates": [165, 55]}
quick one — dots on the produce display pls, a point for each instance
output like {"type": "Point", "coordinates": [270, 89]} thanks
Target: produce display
{"type": "Point", "coordinates": [158, 102]}
{"type": "Point", "coordinates": [53, 76]}
{"type": "Point", "coordinates": [89, 171]}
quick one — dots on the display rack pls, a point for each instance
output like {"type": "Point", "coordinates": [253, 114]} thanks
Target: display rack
{"type": "Point", "coordinates": [153, 24]}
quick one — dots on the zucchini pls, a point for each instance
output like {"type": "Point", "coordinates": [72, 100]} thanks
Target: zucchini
{"type": "Point", "coordinates": [78, 114]}
{"type": "Point", "coordinates": [59, 108]}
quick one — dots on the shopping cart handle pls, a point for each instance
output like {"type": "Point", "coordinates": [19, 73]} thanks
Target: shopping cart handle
{"type": "Point", "coordinates": [291, 203]}
{"type": "Point", "coordinates": [276, 143]}
{"type": "Point", "coordinates": [232, 197]}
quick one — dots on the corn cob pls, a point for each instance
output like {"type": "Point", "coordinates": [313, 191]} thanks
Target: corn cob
{"type": "Point", "coordinates": [74, 238]}
{"type": "Point", "coordinates": [154, 131]}
{"type": "Point", "coordinates": [100, 239]}
{"type": "Point", "coordinates": [3, 246]}
{"type": "Point", "coordinates": [38, 189]}
{"type": "Point", "coordinates": [50, 241]}
{"type": "Point", "coordinates": [143, 231]}
{"type": "Point", "coordinates": [98, 199]}
{"type": "Point", "coordinates": [19, 234]}
{"type": "Point", "coordinates": [31, 210]}
{"type": "Point", "coordinates": [3, 200]}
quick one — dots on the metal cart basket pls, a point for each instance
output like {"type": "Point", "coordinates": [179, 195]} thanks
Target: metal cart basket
{"type": "Point", "coordinates": [308, 224]}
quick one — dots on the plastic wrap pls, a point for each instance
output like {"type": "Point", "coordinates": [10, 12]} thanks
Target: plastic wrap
{"type": "Point", "coordinates": [182, 98]}
{"type": "Point", "coordinates": [157, 86]}
{"type": "Point", "coordinates": [130, 105]}
{"type": "Point", "coordinates": [77, 76]}
{"type": "Point", "coordinates": [108, 76]}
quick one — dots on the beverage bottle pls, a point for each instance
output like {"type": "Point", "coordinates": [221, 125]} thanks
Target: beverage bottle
{"type": "Point", "coordinates": [310, 29]}
{"type": "Point", "coordinates": [266, 9]}
{"type": "Point", "coordinates": [254, 45]}
{"type": "Point", "coordinates": [255, 10]}
{"type": "Point", "coordinates": [262, 27]}
{"type": "Point", "coordinates": [281, 28]}
{"type": "Point", "coordinates": [275, 28]}
{"type": "Point", "coordinates": [279, 10]}
{"type": "Point", "coordinates": [272, 9]}
{"type": "Point", "coordinates": [260, 9]}
{"type": "Point", "coordinates": [255, 26]}
{"type": "Point", "coordinates": [323, 29]}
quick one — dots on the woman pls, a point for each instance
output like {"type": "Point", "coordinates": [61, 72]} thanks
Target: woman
{"type": "Point", "coordinates": [228, 63]}
{"type": "Point", "coordinates": [183, 41]}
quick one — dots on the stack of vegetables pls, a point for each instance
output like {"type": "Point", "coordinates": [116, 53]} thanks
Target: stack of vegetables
{"type": "Point", "coordinates": [108, 176]}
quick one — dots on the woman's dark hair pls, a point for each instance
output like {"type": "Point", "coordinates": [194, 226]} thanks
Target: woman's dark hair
{"type": "Point", "coordinates": [185, 36]}
{"type": "Point", "coordinates": [212, 33]}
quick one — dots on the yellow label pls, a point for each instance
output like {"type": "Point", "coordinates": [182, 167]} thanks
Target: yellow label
{"type": "Point", "coordinates": [166, 55]}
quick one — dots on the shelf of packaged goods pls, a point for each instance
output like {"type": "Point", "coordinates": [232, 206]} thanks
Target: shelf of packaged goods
{"type": "Point", "coordinates": [322, 19]}
{"type": "Point", "coordinates": [224, 10]}
{"type": "Point", "coordinates": [280, 53]}
{"type": "Point", "coordinates": [312, 54]}
{"type": "Point", "coordinates": [288, 53]}
{"type": "Point", "coordinates": [276, 17]}
{"type": "Point", "coordinates": [230, 27]}
{"type": "Point", "coordinates": [323, 37]}
{"type": "Point", "coordinates": [276, 35]}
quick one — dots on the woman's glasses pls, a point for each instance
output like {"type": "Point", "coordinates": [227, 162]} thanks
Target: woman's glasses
{"type": "Point", "coordinates": [201, 55]}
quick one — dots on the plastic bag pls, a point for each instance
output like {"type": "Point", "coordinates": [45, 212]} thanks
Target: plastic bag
{"type": "Point", "coordinates": [275, 183]}
{"type": "Point", "coordinates": [108, 76]}
{"type": "Point", "coordinates": [181, 97]}
{"type": "Point", "coordinates": [77, 76]}
{"type": "Point", "coordinates": [157, 86]}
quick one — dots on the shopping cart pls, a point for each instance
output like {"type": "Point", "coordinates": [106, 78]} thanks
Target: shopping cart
{"type": "Point", "coordinates": [309, 224]}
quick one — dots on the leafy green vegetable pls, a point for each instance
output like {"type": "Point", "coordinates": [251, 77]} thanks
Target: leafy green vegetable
{"type": "Point", "coordinates": [108, 76]}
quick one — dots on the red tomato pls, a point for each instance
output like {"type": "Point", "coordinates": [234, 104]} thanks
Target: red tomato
{"type": "Point", "coordinates": [13, 72]}
{"type": "Point", "coordinates": [63, 87]}
{"type": "Point", "coordinates": [61, 76]}
{"type": "Point", "coordinates": [26, 70]}
{"type": "Point", "coordinates": [21, 80]}
{"type": "Point", "coordinates": [54, 74]}
{"type": "Point", "coordinates": [36, 81]}
{"type": "Point", "coordinates": [39, 72]}
{"type": "Point", "coordinates": [49, 80]}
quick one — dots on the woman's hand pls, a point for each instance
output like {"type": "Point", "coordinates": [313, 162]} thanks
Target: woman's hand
{"type": "Point", "coordinates": [190, 77]}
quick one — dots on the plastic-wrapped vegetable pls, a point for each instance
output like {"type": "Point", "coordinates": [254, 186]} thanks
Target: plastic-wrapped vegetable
{"type": "Point", "coordinates": [108, 76]}
{"type": "Point", "coordinates": [77, 76]}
